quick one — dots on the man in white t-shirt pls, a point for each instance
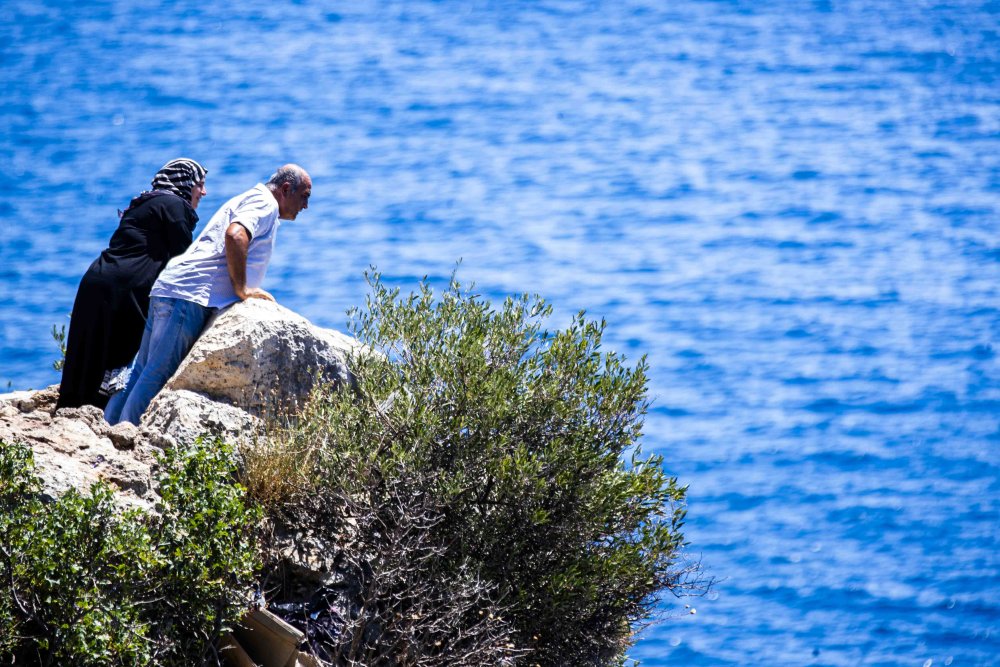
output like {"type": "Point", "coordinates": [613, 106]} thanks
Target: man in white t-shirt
{"type": "Point", "coordinates": [225, 264]}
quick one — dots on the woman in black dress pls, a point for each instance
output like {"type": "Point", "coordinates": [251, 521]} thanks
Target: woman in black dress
{"type": "Point", "coordinates": [110, 308]}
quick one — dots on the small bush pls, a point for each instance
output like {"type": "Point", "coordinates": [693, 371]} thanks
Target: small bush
{"type": "Point", "coordinates": [84, 583]}
{"type": "Point", "coordinates": [208, 555]}
{"type": "Point", "coordinates": [59, 336]}
{"type": "Point", "coordinates": [519, 453]}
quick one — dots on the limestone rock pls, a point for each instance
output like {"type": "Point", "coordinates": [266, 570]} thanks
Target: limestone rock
{"type": "Point", "coordinates": [181, 416]}
{"type": "Point", "coordinates": [73, 448]}
{"type": "Point", "coordinates": [29, 401]}
{"type": "Point", "coordinates": [253, 357]}
{"type": "Point", "coordinates": [124, 435]}
{"type": "Point", "coordinates": [258, 354]}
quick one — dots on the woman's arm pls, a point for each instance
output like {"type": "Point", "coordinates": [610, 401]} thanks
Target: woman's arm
{"type": "Point", "coordinates": [179, 228]}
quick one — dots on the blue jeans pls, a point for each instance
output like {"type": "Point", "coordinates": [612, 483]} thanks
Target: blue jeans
{"type": "Point", "coordinates": [172, 327]}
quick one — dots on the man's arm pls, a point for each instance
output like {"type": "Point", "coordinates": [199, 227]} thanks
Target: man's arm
{"type": "Point", "coordinates": [237, 243]}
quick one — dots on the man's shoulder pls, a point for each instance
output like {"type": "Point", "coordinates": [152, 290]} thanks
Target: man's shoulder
{"type": "Point", "coordinates": [257, 197]}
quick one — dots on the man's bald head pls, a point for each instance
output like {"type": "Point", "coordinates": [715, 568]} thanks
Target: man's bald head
{"type": "Point", "coordinates": [291, 187]}
{"type": "Point", "coordinates": [292, 174]}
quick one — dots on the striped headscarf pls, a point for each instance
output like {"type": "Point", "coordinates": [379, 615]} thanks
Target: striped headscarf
{"type": "Point", "coordinates": [179, 176]}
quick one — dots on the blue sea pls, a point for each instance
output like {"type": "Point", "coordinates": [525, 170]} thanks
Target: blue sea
{"type": "Point", "coordinates": [791, 207]}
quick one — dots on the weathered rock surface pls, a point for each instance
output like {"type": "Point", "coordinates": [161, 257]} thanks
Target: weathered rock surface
{"type": "Point", "coordinates": [252, 357]}
{"type": "Point", "coordinates": [75, 447]}
{"type": "Point", "coordinates": [181, 416]}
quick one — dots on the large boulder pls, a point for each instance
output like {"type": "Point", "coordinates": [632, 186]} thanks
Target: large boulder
{"type": "Point", "coordinates": [254, 358]}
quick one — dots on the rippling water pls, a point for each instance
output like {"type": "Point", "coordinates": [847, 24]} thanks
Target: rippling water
{"type": "Point", "coordinates": [791, 207]}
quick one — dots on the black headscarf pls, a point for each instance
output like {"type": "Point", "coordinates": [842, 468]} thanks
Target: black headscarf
{"type": "Point", "coordinates": [179, 176]}
{"type": "Point", "coordinates": [175, 177]}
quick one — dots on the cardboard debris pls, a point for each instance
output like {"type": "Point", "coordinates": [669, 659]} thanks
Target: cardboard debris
{"type": "Point", "coordinates": [262, 639]}
{"type": "Point", "coordinates": [233, 654]}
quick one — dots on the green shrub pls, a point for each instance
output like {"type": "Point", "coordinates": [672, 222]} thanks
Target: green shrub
{"type": "Point", "coordinates": [18, 500]}
{"type": "Point", "coordinates": [525, 445]}
{"type": "Point", "coordinates": [84, 582]}
{"type": "Point", "coordinates": [208, 554]}
{"type": "Point", "coordinates": [69, 572]}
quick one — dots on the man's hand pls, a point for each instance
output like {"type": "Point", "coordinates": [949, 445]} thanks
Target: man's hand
{"type": "Point", "coordinates": [237, 245]}
{"type": "Point", "coordinates": [255, 293]}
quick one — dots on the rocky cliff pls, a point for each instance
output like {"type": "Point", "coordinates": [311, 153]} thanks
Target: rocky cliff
{"type": "Point", "coordinates": [252, 359]}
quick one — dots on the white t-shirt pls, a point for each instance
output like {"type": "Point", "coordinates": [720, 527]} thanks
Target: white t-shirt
{"type": "Point", "coordinates": [200, 274]}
